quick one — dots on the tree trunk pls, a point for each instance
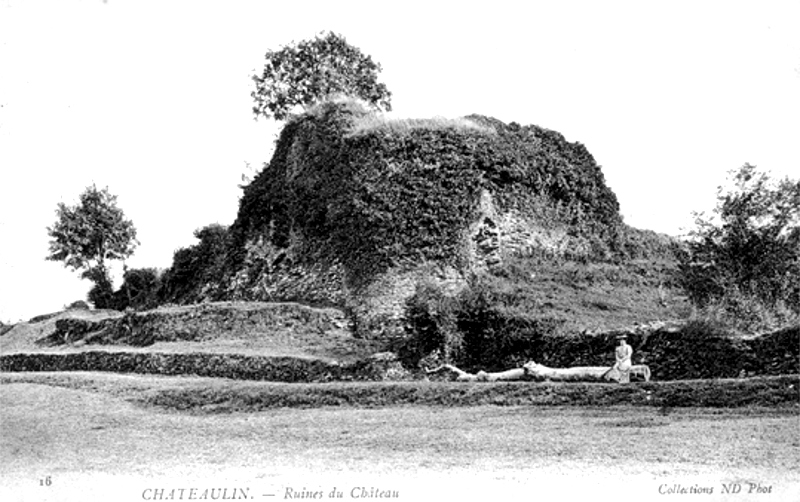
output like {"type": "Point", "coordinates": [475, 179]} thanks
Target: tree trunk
{"type": "Point", "coordinates": [481, 376]}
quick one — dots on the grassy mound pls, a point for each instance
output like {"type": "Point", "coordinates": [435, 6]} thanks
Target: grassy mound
{"type": "Point", "coordinates": [22, 337]}
{"type": "Point", "coordinates": [253, 328]}
{"type": "Point", "coordinates": [5, 328]}
{"type": "Point", "coordinates": [197, 323]}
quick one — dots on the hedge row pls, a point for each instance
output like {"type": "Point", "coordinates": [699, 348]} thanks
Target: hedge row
{"type": "Point", "coordinates": [698, 350]}
{"type": "Point", "coordinates": [235, 366]}
{"type": "Point", "coordinates": [767, 391]}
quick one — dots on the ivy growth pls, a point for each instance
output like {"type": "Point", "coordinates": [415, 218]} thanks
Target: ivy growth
{"type": "Point", "coordinates": [374, 197]}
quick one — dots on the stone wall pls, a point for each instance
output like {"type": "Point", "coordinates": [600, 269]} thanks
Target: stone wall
{"type": "Point", "coordinates": [378, 308]}
{"type": "Point", "coordinates": [498, 234]}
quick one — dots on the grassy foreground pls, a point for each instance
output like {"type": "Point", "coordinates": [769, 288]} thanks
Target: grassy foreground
{"type": "Point", "coordinates": [82, 430]}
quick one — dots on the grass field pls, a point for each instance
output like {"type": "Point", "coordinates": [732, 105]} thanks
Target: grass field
{"type": "Point", "coordinates": [99, 438]}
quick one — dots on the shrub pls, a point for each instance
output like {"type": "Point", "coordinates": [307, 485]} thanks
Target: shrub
{"type": "Point", "coordinates": [745, 313]}
{"type": "Point", "coordinates": [431, 326]}
{"type": "Point", "coordinates": [77, 305]}
{"type": "Point", "coordinates": [644, 244]}
{"type": "Point", "coordinates": [746, 261]}
{"type": "Point", "coordinates": [701, 349]}
{"type": "Point", "coordinates": [196, 268]}
{"type": "Point", "coordinates": [479, 328]}
{"type": "Point", "coordinates": [101, 295]}
{"type": "Point", "coordinates": [497, 335]}
{"type": "Point", "coordinates": [139, 289]}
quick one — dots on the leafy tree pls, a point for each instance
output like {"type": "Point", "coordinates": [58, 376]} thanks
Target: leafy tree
{"type": "Point", "coordinates": [751, 249]}
{"type": "Point", "coordinates": [302, 73]}
{"type": "Point", "coordinates": [86, 236]}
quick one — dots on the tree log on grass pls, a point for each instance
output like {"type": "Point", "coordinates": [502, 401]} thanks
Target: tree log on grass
{"type": "Point", "coordinates": [535, 371]}
{"type": "Point", "coordinates": [575, 374]}
{"type": "Point", "coordinates": [481, 376]}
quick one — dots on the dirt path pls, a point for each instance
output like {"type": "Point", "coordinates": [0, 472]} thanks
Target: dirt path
{"type": "Point", "coordinates": [94, 445]}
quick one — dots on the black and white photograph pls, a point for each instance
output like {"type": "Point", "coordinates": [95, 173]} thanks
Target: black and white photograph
{"type": "Point", "coordinates": [416, 251]}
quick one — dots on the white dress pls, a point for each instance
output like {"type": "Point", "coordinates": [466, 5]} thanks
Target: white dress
{"type": "Point", "coordinates": [623, 354]}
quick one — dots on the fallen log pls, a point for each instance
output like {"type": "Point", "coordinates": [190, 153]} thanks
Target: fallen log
{"type": "Point", "coordinates": [481, 376]}
{"type": "Point", "coordinates": [575, 374]}
{"type": "Point", "coordinates": [582, 373]}
{"type": "Point", "coordinates": [535, 371]}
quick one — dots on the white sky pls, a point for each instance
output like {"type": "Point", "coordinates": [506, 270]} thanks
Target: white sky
{"type": "Point", "coordinates": [152, 99]}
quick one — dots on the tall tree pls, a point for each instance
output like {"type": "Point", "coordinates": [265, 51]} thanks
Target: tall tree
{"type": "Point", "coordinates": [305, 72]}
{"type": "Point", "coordinates": [87, 235]}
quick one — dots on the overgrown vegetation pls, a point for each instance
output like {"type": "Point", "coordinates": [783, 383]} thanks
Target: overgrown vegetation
{"type": "Point", "coordinates": [482, 329]}
{"type": "Point", "coordinates": [350, 187]}
{"type": "Point", "coordinates": [139, 290]}
{"type": "Point", "coordinates": [194, 275]}
{"type": "Point", "coordinates": [196, 267]}
{"type": "Point", "coordinates": [505, 317]}
{"type": "Point", "coordinates": [741, 272]}
{"type": "Point", "coordinates": [742, 265]}
{"type": "Point", "coordinates": [477, 329]}
{"type": "Point", "coordinates": [372, 193]}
